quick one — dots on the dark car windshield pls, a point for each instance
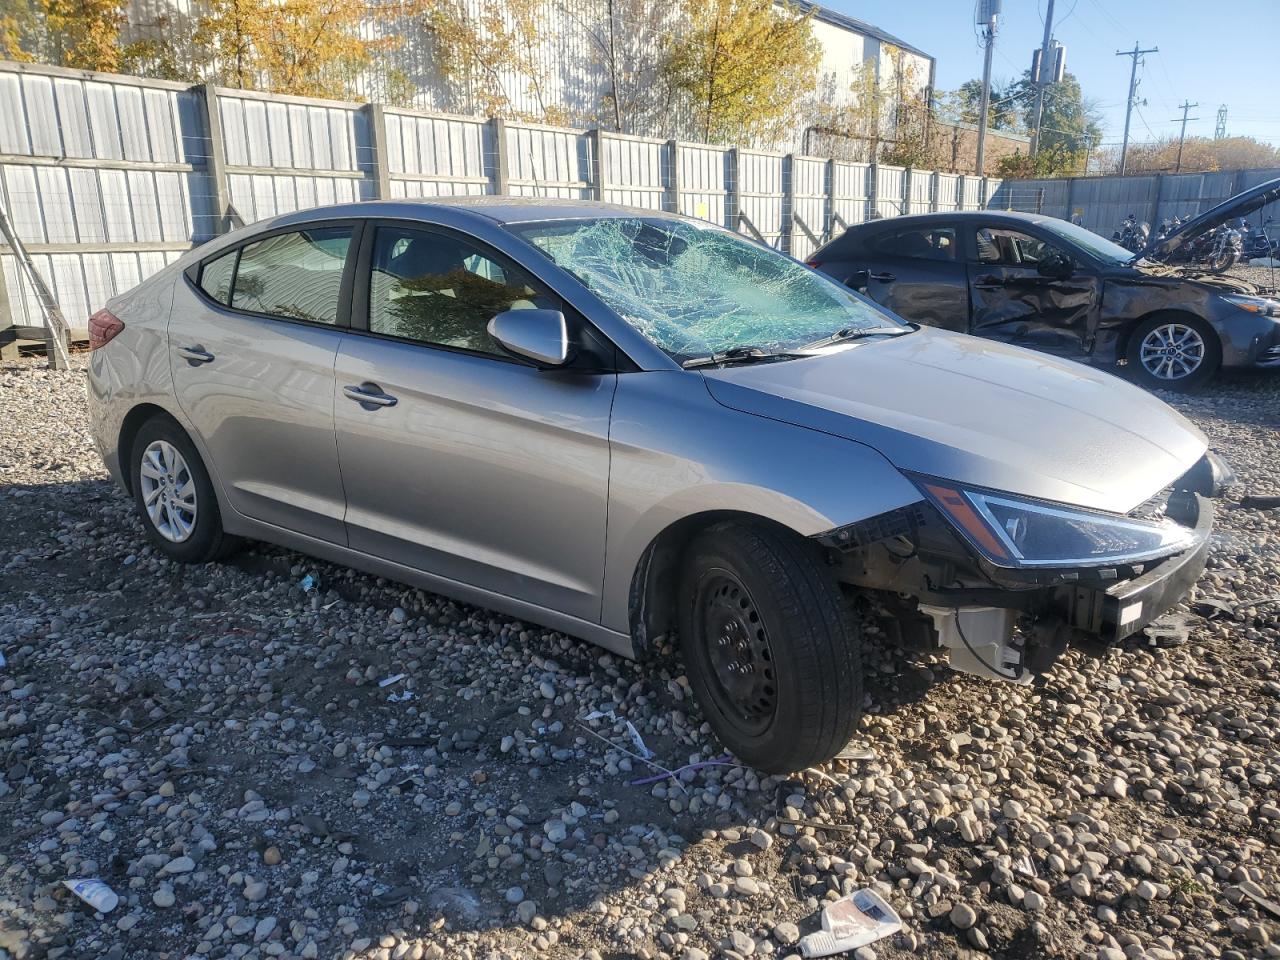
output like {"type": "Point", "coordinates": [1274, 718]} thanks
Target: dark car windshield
{"type": "Point", "coordinates": [1098, 247]}
{"type": "Point", "coordinates": [696, 290]}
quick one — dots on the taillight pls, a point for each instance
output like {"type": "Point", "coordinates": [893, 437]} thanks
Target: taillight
{"type": "Point", "coordinates": [103, 327]}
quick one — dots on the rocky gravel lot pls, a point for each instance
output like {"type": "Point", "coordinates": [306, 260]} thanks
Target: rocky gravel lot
{"type": "Point", "coordinates": [217, 745]}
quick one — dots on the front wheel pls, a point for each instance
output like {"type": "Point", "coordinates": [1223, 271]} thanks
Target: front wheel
{"type": "Point", "coordinates": [1174, 352]}
{"type": "Point", "coordinates": [771, 646]}
{"type": "Point", "coordinates": [1222, 261]}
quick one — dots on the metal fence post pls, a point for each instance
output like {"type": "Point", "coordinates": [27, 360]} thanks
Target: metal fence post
{"type": "Point", "coordinates": [935, 186]}
{"type": "Point", "coordinates": [8, 342]}
{"type": "Point", "coordinates": [673, 177]}
{"type": "Point", "coordinates": [785, 242]}
{"type": "Point", "coordinates": [732, 197]}
{"type": "Point", "coordinates": [377, 117]}
{"type": "Point", "coordinates": [828, 199]}
{"type": "Point", "coordinates": [501, 175]}
{"type": "Point", "coordinates": [873, 191]}
{"type": "Point", "coordinates": [1071, 199]}
{"type": "Point", "coordinates": [595, 136]}
{"type": "Point", "coordinates": [1154, 219]}
{"type": "Point", "coordinates": [907, 176]}
{"type": "Point", "coordinates": [216, 162]}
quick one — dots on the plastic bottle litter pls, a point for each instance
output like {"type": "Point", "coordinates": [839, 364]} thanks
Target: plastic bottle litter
{"type": "Point", "coordinates": [859, 919]}
{"type": "Point", "coordinates": [93, 892]}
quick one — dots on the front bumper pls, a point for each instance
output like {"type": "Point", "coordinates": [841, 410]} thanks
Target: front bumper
{"type": "Point", "coordinates": [1124, 608]}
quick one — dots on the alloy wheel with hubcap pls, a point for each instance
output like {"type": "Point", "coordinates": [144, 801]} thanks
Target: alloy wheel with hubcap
{"type": "Point", "coordinates": [168, 491]}
{"type": "Point", "coordinates": [1172, 351]}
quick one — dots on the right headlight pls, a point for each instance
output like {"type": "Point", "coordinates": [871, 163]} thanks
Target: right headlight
{"type": "Point", "coordinates": [1259, 305]}
{"type": "Point", "coordinates": [1013, 531]}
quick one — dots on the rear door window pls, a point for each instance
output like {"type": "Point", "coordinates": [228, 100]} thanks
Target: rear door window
{"type": "Point", "coordinates": [920, 243]}
{"type": "Point", "coordinates": [296, 276]}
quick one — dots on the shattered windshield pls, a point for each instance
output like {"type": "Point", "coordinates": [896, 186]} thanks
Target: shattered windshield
{"type": "Point", "coordinates": [698, 290]}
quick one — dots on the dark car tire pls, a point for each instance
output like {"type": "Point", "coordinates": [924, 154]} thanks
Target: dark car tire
{"type": "Point", "coordinates": [1171, 327]}
{"type": "Point", "coordinates": [202, 538]}
{"type": "Point", "coordinates": [755, 595]}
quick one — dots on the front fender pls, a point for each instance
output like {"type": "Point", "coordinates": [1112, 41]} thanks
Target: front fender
{"type": "Point", "coordinates": [677, 453]}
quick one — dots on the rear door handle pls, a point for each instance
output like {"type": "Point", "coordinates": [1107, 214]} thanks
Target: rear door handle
{"type": "Point", "coordinates": [195, 355]}
{"type": "Point", "coordinates": [883, 277]}
{"type": "Point", "coordinates": [369, 395]}
{"type": "Point", "coordinates": [988, 283]}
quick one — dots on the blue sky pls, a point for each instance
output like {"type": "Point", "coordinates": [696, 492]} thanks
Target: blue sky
{"type": "Point", "coordinates": [1213, 53]}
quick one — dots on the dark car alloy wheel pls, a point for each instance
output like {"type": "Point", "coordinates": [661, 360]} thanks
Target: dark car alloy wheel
{"type": "Point", "coordinates": [740, 656]}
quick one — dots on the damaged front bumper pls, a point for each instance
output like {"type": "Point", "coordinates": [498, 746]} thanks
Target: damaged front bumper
{"type": "Point", "coordinates": [1012, 624]}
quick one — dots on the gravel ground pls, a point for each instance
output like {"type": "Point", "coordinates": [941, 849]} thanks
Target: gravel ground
{"type": "Point", "coordinates": [215, 744]}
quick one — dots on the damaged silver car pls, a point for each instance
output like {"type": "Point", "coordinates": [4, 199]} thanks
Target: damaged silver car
{"type": "Point", "coordinates": [627, 425]}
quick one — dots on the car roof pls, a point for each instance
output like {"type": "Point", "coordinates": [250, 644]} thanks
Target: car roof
{"type": "Point", "coordinates": [499, 209]}
{"type": "Point", "coordinates": [924, 219]}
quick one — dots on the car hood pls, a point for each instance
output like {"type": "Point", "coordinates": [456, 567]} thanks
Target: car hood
{"type": "Point", "coordinates": [1242, 204]}
{"type": "Point", "coordinates": [978, 412]}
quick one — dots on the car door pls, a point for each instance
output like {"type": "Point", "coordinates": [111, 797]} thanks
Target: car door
{"type": "Point", "coordinates": [918, 273]}
{"type": "Point", "coordinates": [1011, 300]}
{"type": "Point", "coordinates": [458, 459]}
{"type": "Point", "coordinates": [253, 338]}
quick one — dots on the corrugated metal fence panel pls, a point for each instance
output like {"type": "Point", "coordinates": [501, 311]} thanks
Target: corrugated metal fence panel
{"type": "Point", "coordinates": [437, 156]}
{"type": "Point", "coordinates": [970, 193]}
{"type": "Point", "coordinates": [636, 171]}
{"type": "Point", "coordinates": [704, 178]}
{"type": "Point", "coordinates": [809, 189]}
{"type": "Point", "coordinates": [920, 196]}
{"type": "Point", "coordinates": [890, 184]}
{"type": "Point", "coordinates": [760, 196]}
{"type": "Point", "coordinates": [548, 162]}
{"type": "Point", "coordinates": [948, 191]}
{"type": "Point", "coordinates": [116, 121]}
{"type": "Point", "coordinates": [850, 191]}
{"type": "Point", "coordinates": [1251, 178]}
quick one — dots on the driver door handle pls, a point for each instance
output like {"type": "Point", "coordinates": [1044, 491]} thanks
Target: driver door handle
{"type": "Point", "coordinates": [195, 355]}
{"type": "Point", "coordinates": [369, 393]}
{"type": "Point", "coordinates": [988, 283]}
{"type": "Point", "coordinates": [883, 277]}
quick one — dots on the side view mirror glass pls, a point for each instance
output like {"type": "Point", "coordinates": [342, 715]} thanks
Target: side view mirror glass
{"type": "Point", "coordinates": [538, 335]}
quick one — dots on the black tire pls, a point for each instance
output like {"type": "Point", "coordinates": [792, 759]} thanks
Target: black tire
{"type": "Point", "coordinates": [207, 541]}
{"type": "Point", "coordinates": [1211, 356]}
{"type": "Point", "coordinates": [753, 594]}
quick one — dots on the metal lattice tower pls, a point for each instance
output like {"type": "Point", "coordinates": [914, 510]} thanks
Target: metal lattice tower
{"type": "Point", "coordinates": [1220, 130]}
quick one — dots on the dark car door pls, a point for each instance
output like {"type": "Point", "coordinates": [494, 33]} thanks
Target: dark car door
{"type": "Point", "coordinates": [918, 272]}
{"type": "Point", "coordinates": [1013, 301]}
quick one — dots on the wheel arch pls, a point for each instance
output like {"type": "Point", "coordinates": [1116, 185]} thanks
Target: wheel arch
{"type": "Point", "coordinates": [652, 599]}
{"type": "Point", "coordinates": [129, 427]}
{"type": "Point", "coordinates": [1172, 313]}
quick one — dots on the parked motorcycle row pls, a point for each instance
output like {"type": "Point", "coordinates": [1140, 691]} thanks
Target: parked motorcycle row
{"type": "Point", "coordinates": [1215, 250]}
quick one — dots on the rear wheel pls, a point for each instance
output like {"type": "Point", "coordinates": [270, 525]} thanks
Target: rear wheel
{"type": "Point", "coordinates": [174, 495]}
{"type": "Point", "coordinates": [1174, 352]}
{"type": "Point", "coordinates": [771, 647]}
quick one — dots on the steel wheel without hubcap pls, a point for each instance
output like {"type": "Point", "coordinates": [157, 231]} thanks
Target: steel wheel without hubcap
{"type": "Point", "coordinates": [739, 653]}
{"type": "Point", "coordinates": [1172, 351]}
{"type": "Point", "coordinates": [168, 491]}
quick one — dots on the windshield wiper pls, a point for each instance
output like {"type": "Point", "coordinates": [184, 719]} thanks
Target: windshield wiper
{"type": "Point", "coordinates": [857, 333]}
{"type": "Point", "coordinates": [737, 355]}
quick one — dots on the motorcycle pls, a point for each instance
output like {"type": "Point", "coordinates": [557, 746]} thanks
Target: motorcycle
{"type": "Point", "coordinates": [1215, 250]}
{"type": "Point", "coordinates": [1132, 235]}
{"type": "Point", "coordinates": [1258, 244]}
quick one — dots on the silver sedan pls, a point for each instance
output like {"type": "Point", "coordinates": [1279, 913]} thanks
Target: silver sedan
{"type": "Point", "coordinates": [624, 424]}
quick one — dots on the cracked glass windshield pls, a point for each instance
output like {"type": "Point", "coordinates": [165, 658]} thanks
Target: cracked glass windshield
{"type": "Point", "coordinates": [699, 290]}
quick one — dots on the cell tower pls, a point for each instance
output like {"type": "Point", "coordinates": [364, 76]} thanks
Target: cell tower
{"type": "Point", "coordinates": [1220, 130]}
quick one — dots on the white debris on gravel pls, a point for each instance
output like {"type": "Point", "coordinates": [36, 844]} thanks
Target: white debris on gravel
{"type": "Point", "coordinates": [213, 744]}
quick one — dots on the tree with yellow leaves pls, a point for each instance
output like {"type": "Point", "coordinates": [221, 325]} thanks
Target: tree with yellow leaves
{"type": "Point", "coordinates": [746, 67]}
{"type": "Point", "coordinates": [309, 48]}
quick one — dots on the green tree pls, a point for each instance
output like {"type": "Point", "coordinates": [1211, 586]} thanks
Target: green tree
{"type": "Point", "coordinates": [745, 67]}
{"type": "Point", "coordinates": [963, 104]}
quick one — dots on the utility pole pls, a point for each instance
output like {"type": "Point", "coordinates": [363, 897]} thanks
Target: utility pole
{"type": "Point", "coordinates": [1182, 138]}
{"type": "Point", "coordinates": [989, 41]}
{"type": "Point", "coordinates": [1133, 93]}
{"type": "Point", "coordinates": [1040, 79]}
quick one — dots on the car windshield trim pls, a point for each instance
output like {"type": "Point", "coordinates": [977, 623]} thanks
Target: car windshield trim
{"type": "Point", "coordinates": [696, 290]}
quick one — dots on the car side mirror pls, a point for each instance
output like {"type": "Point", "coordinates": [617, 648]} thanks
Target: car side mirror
{"type": "Point", "coordinates": [1056, 267]}
{"type": "Point", "coordinates": [538, 335]}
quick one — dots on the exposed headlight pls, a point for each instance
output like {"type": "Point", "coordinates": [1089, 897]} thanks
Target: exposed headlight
{"type": "Point", "coordinates": [1013, 532]}
{"type": "Point", "coordinates": [1259, 305]}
